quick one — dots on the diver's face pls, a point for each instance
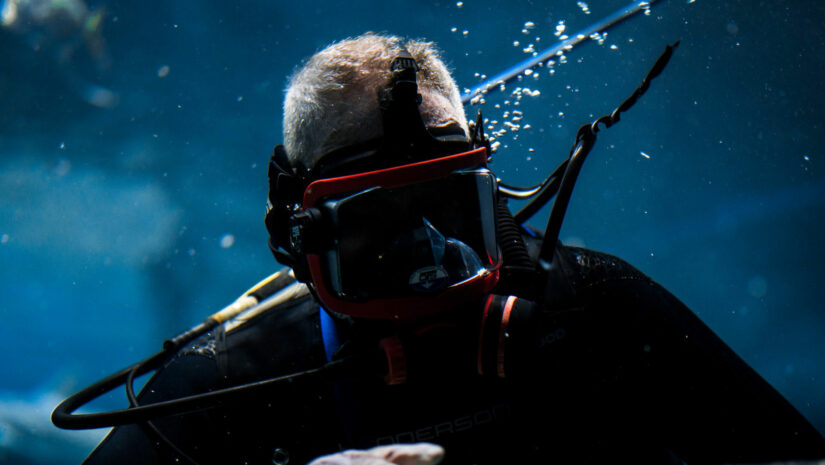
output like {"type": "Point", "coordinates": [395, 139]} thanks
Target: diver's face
{"type": "Point", "coordinates": [409, 238]}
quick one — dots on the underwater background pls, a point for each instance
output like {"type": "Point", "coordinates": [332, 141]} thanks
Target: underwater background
{"type": "Point", "coordinates": [135, 136]}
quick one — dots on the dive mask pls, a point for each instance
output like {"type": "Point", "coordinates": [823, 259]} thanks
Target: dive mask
{"type": "Point", "coordinates": [401, 242]}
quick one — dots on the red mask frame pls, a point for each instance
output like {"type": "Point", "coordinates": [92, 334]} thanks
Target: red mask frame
{"type": "Point", "coordinates": [410, 307]}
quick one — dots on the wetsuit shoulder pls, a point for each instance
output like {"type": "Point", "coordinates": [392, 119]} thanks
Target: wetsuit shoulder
{"type": "Point", "coordinates": [656, 371]}
{"type": "Point", "coordinates": [282, 340]}
{"type": "Point", "coordinates": [254, 346]}
{"type": "Point", "coordinates": [587, 268]}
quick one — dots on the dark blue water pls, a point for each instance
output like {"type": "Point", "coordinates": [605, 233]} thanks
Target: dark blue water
{"type": "Point", "coordinates": [133, 169]}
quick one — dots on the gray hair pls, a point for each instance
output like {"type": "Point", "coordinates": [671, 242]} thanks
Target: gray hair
{"type": "Point", "coordinates": [332, 101]}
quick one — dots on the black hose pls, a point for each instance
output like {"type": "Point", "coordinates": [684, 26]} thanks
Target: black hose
{"type": "Point", "coordinates": [549, 188]}
{"type": "Point", "coordinates": [513, 251]}
{"type": "Point", "coordinates": [585, 140]}
{"type": "Point", "coordinates": [148, 426]}
{"type": "Point", "coordinates": [63, 416]}
{"type": "Point", "coordinates": [568, 181]}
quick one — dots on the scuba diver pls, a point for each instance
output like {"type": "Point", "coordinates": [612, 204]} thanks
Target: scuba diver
{"type": "Point", "coordinates": [416, 317]}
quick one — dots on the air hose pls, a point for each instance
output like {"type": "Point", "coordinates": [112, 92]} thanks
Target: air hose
{"type": "Point", "coordinates": [265, 292]}
{"type": "Point", "coordinates": [513, 251]}
{"type": "Point", "coordinates": [585, 140]}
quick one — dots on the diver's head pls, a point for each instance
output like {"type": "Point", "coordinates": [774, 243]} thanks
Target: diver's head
{"type": "Point", "coordinates": [331, 101]}
{"type": "Point", "coordinates": [381, 199]}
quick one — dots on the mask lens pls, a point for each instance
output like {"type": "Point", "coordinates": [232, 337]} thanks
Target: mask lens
{"type": "Point", "coordinates": [412, 240]}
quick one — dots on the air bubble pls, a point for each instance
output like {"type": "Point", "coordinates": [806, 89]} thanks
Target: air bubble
{"type": "Point", "coordinates": [560, 27]}
{"type": "Point", "coordinates": [227, 241]}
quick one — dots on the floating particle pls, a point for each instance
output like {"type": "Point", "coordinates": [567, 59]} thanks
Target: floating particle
{"type": "Point", "coordinates": [528, 72]}
{"type": "Point", "coordinates": [529, 25]}
{"type": "Point", "coordinates": [644, 155]}
{"type": "Point", "coordinates": [584, 7]}
{"type": "Point", "coordinates": [163, 71]}
{"type": "Point", "coordinates": [62, 145]}
{"type": "Point", "coordinates": [227, 241]}
{"type": "Point", "coordinates": [62, 167]}
{"type": "Point", "coordinates": [240, 98]}
{"type": "Point", "coordinates": [525, 31]}
{"type": "Point", "coordinates": [465, 32]}
{"type": "Point", "coordinates": [757, 287]}
{"type": "Point", "coordinates": [806, 158]}
{"type": "Point", "coordinates": [459, 4]}
{"type": "Point", "coordinates": [614, 47]}
{"type": "Point", "coordinates": [515, 43]}
{"type": "Point", "coordinates": [453, 29]}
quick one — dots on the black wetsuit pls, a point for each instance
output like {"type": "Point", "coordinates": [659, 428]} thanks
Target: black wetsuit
{"type": "Point", "coordinates": [612, 368]}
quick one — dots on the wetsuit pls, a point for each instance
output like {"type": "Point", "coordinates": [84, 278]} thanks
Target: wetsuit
{"type": "Point", "coordinates": [611, 368]}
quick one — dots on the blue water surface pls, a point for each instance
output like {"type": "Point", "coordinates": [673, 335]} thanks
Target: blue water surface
{"type": "Point", "coordinates": [134, 143]}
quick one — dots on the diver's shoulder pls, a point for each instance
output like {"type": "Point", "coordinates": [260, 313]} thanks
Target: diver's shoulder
{"type": "Point", "coordinates": [588, 267]}
{"type": "Point", "coordinates": [290, 307]}
{"type": "Point", "coordinates": [272, 340]}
